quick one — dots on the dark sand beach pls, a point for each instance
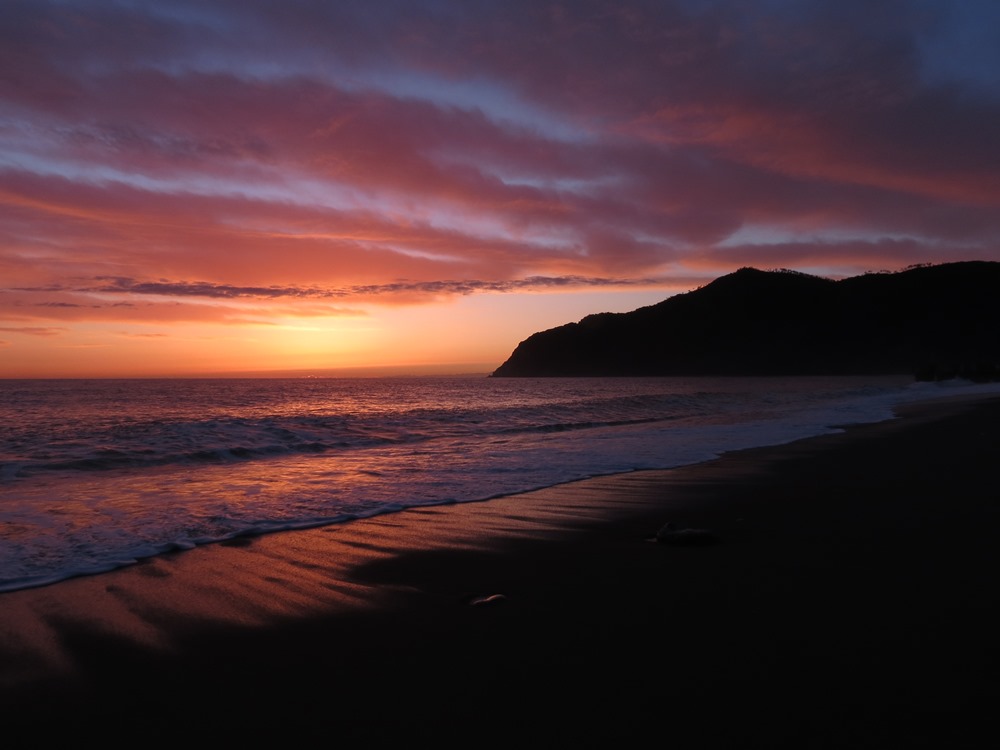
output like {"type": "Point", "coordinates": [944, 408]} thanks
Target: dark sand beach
{"type": "Point", "coordinates": [850, 601]}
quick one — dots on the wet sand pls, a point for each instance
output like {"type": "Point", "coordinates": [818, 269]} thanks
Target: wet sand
{"type": "Point", "coordinates": [850, 600]}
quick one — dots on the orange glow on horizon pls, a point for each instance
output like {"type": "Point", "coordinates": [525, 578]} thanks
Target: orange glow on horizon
{"type": "Point", "coordinates": [444, 338]}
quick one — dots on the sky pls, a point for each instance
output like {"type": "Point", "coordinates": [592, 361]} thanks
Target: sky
{"type": "Point", "coordinates": [194, 187]}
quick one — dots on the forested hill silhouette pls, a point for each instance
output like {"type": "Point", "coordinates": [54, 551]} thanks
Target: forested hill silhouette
{"type": "Point", "coordinates": [933, 322]}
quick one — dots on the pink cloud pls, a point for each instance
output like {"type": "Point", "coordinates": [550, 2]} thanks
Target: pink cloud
{"type": "Point", "coordinates": [33, 330]}
{"type": "Point", "coordinates": [343, 155]}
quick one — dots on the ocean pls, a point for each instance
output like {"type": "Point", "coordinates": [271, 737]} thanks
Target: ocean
{"type": "Point", "coordinates": [97, 474]}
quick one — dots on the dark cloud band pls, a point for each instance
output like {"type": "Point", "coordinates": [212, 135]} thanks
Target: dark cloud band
{"type": "Point", "coordinates": [120, 285]}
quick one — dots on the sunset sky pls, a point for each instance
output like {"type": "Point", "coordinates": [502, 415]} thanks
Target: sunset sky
{"type": "Point", "coordinates": [215, 186]}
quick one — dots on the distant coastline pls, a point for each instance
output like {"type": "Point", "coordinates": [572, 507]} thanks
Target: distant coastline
{"type": "Point", "coordinates": [930, 322]}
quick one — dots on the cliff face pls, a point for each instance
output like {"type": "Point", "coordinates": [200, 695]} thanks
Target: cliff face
{"type": "Point", "coordinates": [930, 321]}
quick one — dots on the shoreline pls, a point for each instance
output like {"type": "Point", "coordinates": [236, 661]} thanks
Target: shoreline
{"type": "Point", "coordinates": [599, 632]}
{"type": "Point", "coordinates": [168, 545]}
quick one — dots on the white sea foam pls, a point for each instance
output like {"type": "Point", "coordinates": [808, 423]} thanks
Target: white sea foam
{"type": "Point", "coordinates": [98, 474]}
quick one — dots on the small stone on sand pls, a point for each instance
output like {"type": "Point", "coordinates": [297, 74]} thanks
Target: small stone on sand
{"type": "Point", "coordinates": [669, 534]}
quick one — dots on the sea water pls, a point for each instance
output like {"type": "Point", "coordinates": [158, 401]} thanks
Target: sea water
{"type": "Point", "coordinates": [96, 474]}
